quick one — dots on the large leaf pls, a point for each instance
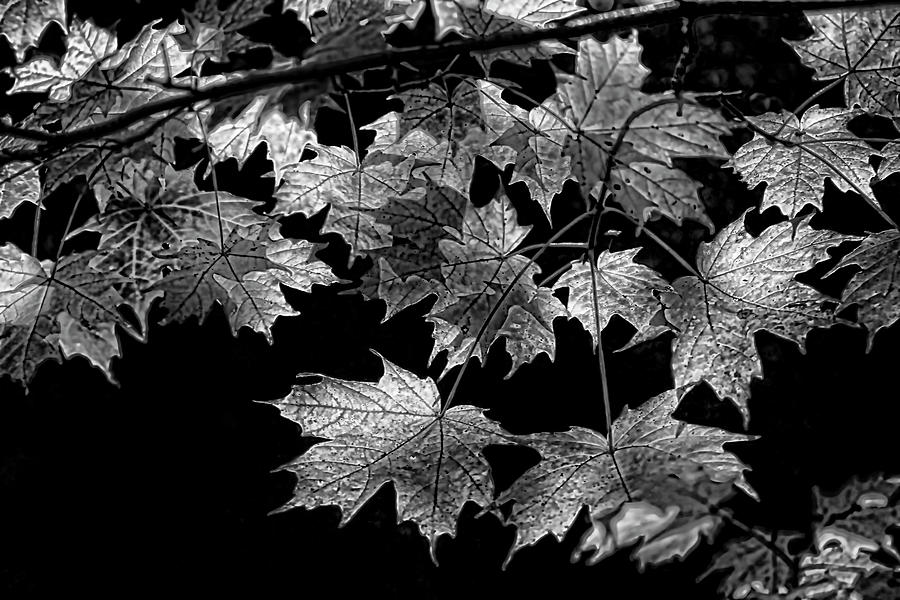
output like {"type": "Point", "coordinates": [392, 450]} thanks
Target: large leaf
{"type": "Point", "coordinates": [48, 311]}
{"type": "Point", "coordinates": [649, 456]}
{"type": "Point", "coordinates": [746, 285]}
{"type": "Point", "coordinates": [860, 47]}
{"type": "Point", "coordinates": [391, 431]}
{"type": "Point", "coordinates": [795, 156]}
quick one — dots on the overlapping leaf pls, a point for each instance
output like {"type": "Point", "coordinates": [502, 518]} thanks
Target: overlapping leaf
{"type": "Point", "coordinates": [354, 187]}
{"type": "Point", "coordinates": [492, 292]}
{"type": "Point", "coordinates": [618, 286]}
{"type": "Point", "coordinates": [155, 211]}
{"type": "Point", "coordinates": [48, 311]}
{"type": "Point", "coordinates": [213, 27]}
{"type": "Point", "coordinates": [533, 141]}
{"type": "Point", "coordinates": [286, 136]}
{"type": "Point", "coordinates": [795, 156]}
{"type": "Point", "coordinates": [19, 182]}
{"type": "Point", "coordinates": [860, 47]}
{"type": "Point", "coordinates": [23, 21]}
{"type": "Point", "coordinates": [746, 285]}
{"type": "Point", "coordinates": [581, 467]}
{"type": "Point", "coordinates": [86, 46]}
{"type": "Point", "coordinates": [391, 431]}
{"type": "Point", "coordinates": [243, 275]}
{"type": "Point", "coordinates": [875, 289]}
{"type": "Point", "coordinates": [603, 112]}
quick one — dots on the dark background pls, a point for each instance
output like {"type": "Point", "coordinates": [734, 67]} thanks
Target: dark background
{"type": "Point", "coordinates": [165, 482]}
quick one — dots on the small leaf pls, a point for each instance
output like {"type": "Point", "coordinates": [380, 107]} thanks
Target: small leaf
{"type": "Point", "coordinates": [808, 150]}
{"type": "Point", "coordinates": [623, 287]}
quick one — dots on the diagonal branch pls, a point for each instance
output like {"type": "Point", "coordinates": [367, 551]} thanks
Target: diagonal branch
{"type": "Point", "coordinates": [573, 28]}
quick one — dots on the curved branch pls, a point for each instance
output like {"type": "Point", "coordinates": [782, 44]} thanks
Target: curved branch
{"type": "Point", "coordinates": [573, 28]}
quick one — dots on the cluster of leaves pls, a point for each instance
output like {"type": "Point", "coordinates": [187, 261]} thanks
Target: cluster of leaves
{"type": "Point", "coordinates": [114, 120]}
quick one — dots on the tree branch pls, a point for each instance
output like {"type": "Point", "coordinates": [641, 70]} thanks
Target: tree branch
{"type": "Point", "coordinates": [573, 28]}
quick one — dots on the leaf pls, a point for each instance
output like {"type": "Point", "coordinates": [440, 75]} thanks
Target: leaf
{"type": "Point", "coordinates": [658, 535]}
{"type": "Point", "coordinates": [19, 183]}
{"type": "Point", "coordinates": [392, 431]}
{"type": "Point", "coordinates": [23, 21]}
{"type": "Point", "coordinates": [243, 275]}
{"type": "Point", "coordinates": [891, 162]}
{"type": "Point", "coordinates": [50, 311]}
{"type": "Point", "coordinates": [355, 188]}
{"type": "Point", "coordinates": [650, 452]}
{"type": "Point", "coordinates": [152, 211]}
{"type": "Point", "coordinates": [479, 19]}
{"type": "Point", "coordinates": [751, 565]}
{"type": "Point", "coordinates": [875, 289]}
{"type": "Point", "coordinates": [86, 46]}
{"type": "Point", "coordinates": [305, 9]}
{"type": "Point", "coordinates": [213, 27]}
{"type": "Point", "coordinates": [493, 289]}
{"type": "Point", "coordinates": [532, 140]}
{"type": "Point", "coordinates": [622, 287]}
{"type": "Point", "coordinates": [807, 151]}
{"type": "Point", "coordinates": [746, 285]}
{"type": "Point", "coordinates": [601, 100]}
{"type": "Point", "coordinates": [860, 47]}
{"type": "Point", "coordinates": [285, 136]}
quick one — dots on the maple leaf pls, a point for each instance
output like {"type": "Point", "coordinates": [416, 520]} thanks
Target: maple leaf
{"type": "Point", "coordinates": [150, 212]}
{"type": "Point", "coordinates": [48, 311]}
{"type": "Point", "coordinates": [619, 286]}
{"type": "Point", "coordinates": [875, 289]}
{"type": "Point", "coordinates": [354, 187]}
{"type": "Point", "coordinates": [23, 21]}
{"type": "Point", "coordinates": [86, 46]}
{"type": "Point", "coordinates": [582, 467]}
{"type": "Point", "coordinates": [391, 431]}
{"type": "Point", "coordinates": [128, 78]}
{"type": "Point", "coordinates": [479, 19]}
{"type": "Point", "coordinates": [795, 156]}
{"type": "Point", "coordinates": [533, 141]}
{"type": "Point", "coordinates": [213, 28]}
{"type": "Point", "coordinates": [243, 275]}
{"type": "Point", "coordinates": [286, 136]}
{"type": "Point", "coordinates": [891, 163]}
{"type": "Point", "coordinates": [858, 46]}
{"type": "Point", "coordinates": [751, 565]}
{"type": "Point", "coordinates": [601, 100]}
{"type": "Point", "coordinates": [19, 182]}
{"type": "Point", "coordinates": [492, 290]}
{"type": "Point", "coordinates": [746, 285]}
{"type": "Point", "coordinates": [657, 534]}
